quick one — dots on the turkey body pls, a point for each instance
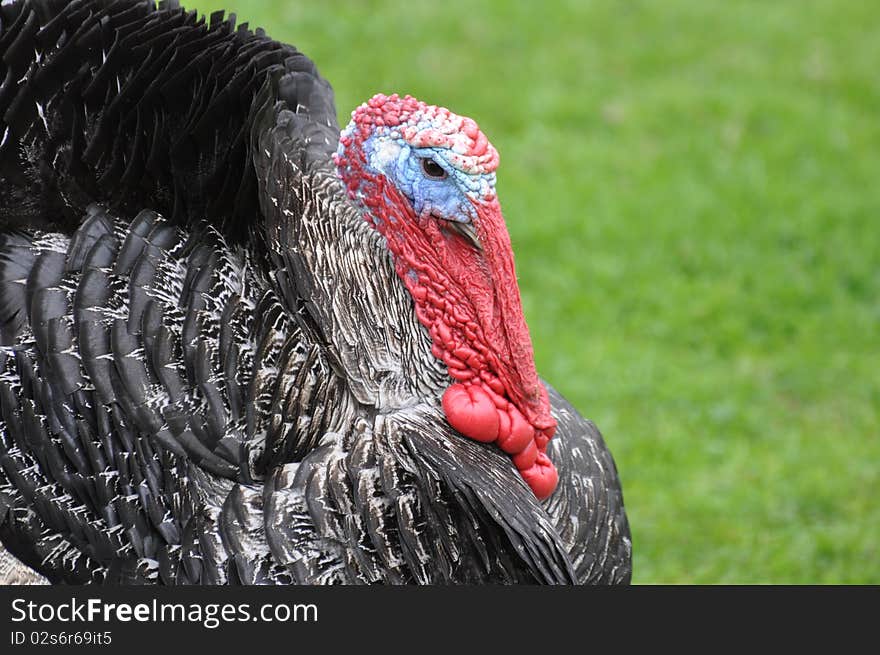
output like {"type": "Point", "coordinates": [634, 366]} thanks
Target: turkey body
{"type": "Point", "coordinates": [209, 371]}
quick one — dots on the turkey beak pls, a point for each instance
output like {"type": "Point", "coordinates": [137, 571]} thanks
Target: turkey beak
{"type": "Point", "coordinates": [468, 231]}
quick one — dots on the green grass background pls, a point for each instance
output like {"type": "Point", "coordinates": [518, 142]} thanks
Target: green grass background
{"type": "Point", "coordinates": [692, 189]}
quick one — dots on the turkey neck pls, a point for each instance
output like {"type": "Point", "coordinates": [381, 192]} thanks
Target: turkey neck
{"type": "Point", "coordinates": [468, 300]}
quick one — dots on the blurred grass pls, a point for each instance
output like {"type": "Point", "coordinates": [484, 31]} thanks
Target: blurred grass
{"type": "Point", "coordinates": [691, 189]}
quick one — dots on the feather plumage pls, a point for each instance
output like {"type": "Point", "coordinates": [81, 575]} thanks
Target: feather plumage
{"type": "Point", "coordinates": [209, 372]}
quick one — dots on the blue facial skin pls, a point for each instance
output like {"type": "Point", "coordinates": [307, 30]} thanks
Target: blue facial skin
{"type": "Point", "coordinates": [448, 198]}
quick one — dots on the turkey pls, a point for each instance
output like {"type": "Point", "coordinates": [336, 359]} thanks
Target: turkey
{"type": "Point", "coordinates": [239, 346]}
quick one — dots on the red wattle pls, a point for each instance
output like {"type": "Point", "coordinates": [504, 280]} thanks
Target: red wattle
{"type": "Point", "coordinates": [519, 435]}
{"type": "Point", "coordinates": [541, 476]}
{"type": "Point", "coordinates": [526, 458]}
{"type": "Point", "coordinates": [541, 439]}
{"type": "Point", "coordinates": [503, 423]}
{"type": "Point", "coordinates": [471, 411]}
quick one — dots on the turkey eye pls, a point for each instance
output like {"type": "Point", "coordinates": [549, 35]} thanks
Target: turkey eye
{"type": "Point", "coordinates": [432, 169]}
